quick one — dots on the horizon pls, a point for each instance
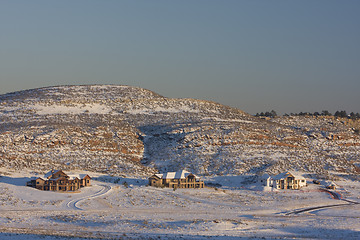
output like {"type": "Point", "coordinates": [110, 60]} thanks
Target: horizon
{"type": "Point", "coordinates": [256, 56]}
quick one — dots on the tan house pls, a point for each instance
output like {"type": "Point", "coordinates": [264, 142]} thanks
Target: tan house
{"type": "Point", "coordinates": [288, 180]}
{"type": "Point", "coordinates": [181, 179]}
{"type": "Point", "coordinates": [57, 180]}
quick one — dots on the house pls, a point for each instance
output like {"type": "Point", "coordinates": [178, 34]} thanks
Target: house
{"type": "Point", "coordinates": [57, 180]}
{"type": "Point", "coordinates": [331, 185]}
{"type": "Point", "coordinates": [288, 180]}
{"type": "Point", "coordinates": [180, 179]}
{"type": "Point", "coordinates": [266, 180]}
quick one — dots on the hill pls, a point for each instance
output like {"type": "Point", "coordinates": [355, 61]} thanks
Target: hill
{"type": "Point", "coordinates": [124, 130]}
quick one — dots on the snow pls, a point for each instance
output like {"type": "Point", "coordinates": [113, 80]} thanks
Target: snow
{"type": "Point", "coordinates": [228, 120]}
{"type": "Point", "coordinates": [125, 208]}
{"type": "Point", "coordinates": [59, 123]}
{"type": "Point", "coordinates": [162, 109]}
{"type": "Point", "coordinates": [77, 109]}
{"type": "Point", "coordinates": [53, 127]}
{"type": "Point", "coordinates": [175, 175]}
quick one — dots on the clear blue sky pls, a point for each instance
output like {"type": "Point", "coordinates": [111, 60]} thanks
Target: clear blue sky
{"type": "Point", "coordinates": [289, 56]}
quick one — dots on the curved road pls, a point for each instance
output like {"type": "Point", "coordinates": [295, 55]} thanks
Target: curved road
{"type": "Point", "coordinates": [334, 195]}
{"type": "Point", "coordinates": [72, 204]}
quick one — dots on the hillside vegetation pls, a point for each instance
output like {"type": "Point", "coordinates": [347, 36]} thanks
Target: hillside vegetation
{"type": "Point", "coordinates": [125, 130]}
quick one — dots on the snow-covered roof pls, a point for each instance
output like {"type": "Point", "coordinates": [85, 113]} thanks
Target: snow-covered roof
{"type": "Point", "coordinates": [265, 176]}
{"type": "Point", "coordinates": [70, 175]}
{"type": "Point", "coordinates": [176, 175]}
{"type": "Point", "coordinates": [79, 176]}
{"type": "Point", "coordinates": [73, 176]}
{"type": "Point", "coordinates": [328, 184]}
{"type": "Point", "coordinates": [83, 175]}
{"type": "Point", "coordinates": [50, 173]}
{"type": "Point", "coordinates": [286, 174]}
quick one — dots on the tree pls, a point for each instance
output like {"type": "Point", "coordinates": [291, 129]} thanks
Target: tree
{"type": "Point", "coordinates": [352, 115]}
{"type": "Point", "coordinates": [273, 113]}
{"type": "Point", "coordinates": [325, 113]}
{"type": "Point", "coordinates": [341, 114]}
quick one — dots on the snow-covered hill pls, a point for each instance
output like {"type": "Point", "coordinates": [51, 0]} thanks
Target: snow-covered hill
{"type": "Point", "coordinates": [132, 131]}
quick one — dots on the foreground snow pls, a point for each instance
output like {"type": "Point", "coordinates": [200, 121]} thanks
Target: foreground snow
{"type": "Point", "coordinates": [124, 208]}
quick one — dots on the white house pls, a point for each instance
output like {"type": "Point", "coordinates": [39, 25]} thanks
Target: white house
{"type": "Point", "coordinates": [266, 180]}
{"type": "Point", "coordinates": [288, 180]}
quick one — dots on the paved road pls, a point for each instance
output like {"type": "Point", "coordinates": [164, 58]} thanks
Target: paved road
{"type": "Point", "coordinates": [73, 204]}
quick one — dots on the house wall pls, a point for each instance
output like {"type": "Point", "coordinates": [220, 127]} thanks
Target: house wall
{"type": "Point", "coordinates": [59, 182]}
{"type": "Point", "coordinates": [155, 182]}
{"type": "Point", "coordinates": [85, 181]}
{"type": "Point", "coordinates": [176, 183]}
{"type": "Point", "coordinates": [290, 183]}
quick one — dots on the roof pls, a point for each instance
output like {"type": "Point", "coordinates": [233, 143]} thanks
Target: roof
{"type": "Point", "coordinates": [286, 174]}
{"type": "Point", "coordinates": [79, 176]}
{"type": "Point", "coordinates": [176, 175]}
{"type": "Point", "coordinates": [159, 175]}
{"type": "Point", "coordinates": [50, 173]}
{"type": "Point", "coordinates": [71, 176]}
{"type": "Point", "coordinates": [265, 176]}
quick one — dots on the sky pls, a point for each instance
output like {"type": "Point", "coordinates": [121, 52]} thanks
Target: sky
{"type": "Point", "coordinates": [287, 56]}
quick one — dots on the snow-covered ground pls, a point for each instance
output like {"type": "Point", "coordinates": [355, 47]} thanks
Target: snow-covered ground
{"type": "Point", "coordinates": [125, 208]}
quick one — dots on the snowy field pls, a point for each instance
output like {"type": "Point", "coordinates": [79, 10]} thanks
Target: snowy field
{"type": "Point", "coordinates": [125, 208]}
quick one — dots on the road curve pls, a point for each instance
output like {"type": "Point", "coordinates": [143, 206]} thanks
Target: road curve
{"type": "Point", "coordinates": [316, 208]}
{"type": "Point", "coordinates": [334, 195]}
{"type": "Point", "coordinates": [73, 204]}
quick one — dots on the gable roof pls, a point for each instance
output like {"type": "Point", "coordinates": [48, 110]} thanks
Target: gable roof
{"type": "Point", "coordinates": [71, 176]}
{"type": "Point", "coordinates": [79, 176]}
{"type": "Point", "coordinates": [50, 173]}
{"type": "Point", "coordinates": [158, 175]}
{"type": "Point", "coordinates": [286, 174]}
{"type": "Point", "coordinates": [176, 175]}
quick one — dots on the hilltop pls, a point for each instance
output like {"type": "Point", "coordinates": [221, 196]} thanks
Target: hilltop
{"type": "Point", "coordinates": [124, 130]}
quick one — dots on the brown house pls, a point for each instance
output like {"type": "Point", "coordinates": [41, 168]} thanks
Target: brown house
{"type": "Point", "coordinates": [181, 179]}
{"type": "Point", "coordinates": [57, 180]}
